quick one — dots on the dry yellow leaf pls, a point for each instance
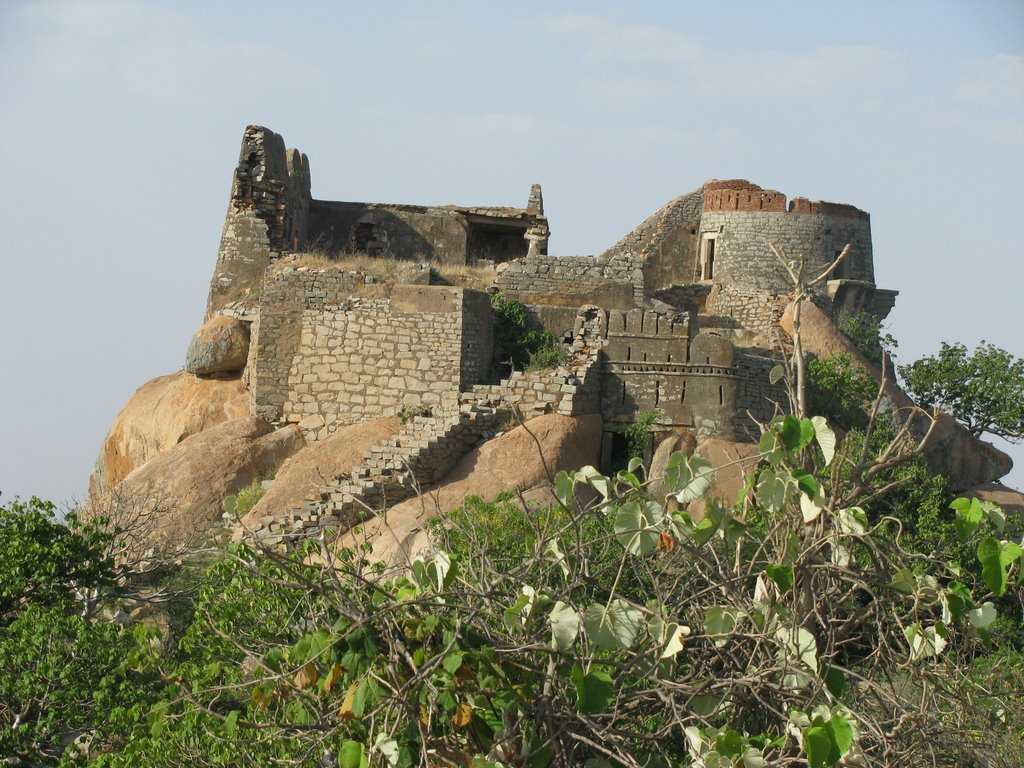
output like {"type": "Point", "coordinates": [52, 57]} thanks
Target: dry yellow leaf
{"type": "Point", "coordinates": [345, 712]}
{"type": "Point", "coordinates": [333, 675]}
{"type": "Point", "coordinates": [306, 676]}
{"type": "Point", "coordinates": [462, 715]}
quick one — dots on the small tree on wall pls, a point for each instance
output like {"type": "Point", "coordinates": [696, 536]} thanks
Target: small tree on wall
{"type": "Point", "coordinates": [983, 389]}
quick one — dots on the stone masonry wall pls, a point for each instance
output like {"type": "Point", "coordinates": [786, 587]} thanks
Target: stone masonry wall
{"type": "Point", "coordinates": [327, 349]}
{"type": "Point", "coordinates": [576, 279]}
{"type": "Point", "coordinates": [654, 362]}
{"type": "Point", "coordinates": [366, 358]}
{"type": "Point", "coordinates": [752, 310]}
{"type": "Point", "coordinates": [268, 212]}
{"type": "Point", "coordinates": [755, 396]}
{"type": "Point", "coordinates": [743, 259]}
{"type": "Point", "coordinates": [665, 242]}
{"type": "Point", "coordinates": [275, 335]}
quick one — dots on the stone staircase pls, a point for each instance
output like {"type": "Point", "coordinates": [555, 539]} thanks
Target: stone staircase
{"type": "Point", "coordinates": [423, 452]}
{"type": "Point", "coordinates": [428, 447]}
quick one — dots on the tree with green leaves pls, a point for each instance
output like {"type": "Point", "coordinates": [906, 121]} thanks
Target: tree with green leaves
{"type": "Point", "coordinates": [868, 335]}
{"type": "Point", "coordinates": [983, 389]}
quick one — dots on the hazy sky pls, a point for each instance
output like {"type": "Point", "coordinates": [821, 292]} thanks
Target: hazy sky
{"type": "Point", "coordinates": [120, 124]}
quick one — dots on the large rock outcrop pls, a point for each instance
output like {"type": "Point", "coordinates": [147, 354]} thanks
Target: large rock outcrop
{"type": "Point", "coordinates": [732, 462]}
{"type": "Point", "coordinates": [303, 475]}
{"type": "Point", "coordinates": [181, 491]}
{"type": "Point", "coordinates": [162, 413]}
{"type": "Point", "coordinates": [509, 461]}
{"type": "Point", "coordinates": [951, 451]}
{"type": "Point", "coordinates": [220, 346]}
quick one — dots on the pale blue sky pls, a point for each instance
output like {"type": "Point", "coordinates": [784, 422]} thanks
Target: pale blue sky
{"type": "Point", "coordinates": [120, 124]}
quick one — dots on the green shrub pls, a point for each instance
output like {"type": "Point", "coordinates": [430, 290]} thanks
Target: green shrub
{"type": "Point", "coordinates": [638, 434]}
{"type": "Point", "coordinates": [840, 391]}
{"type": "Point", "coordinates": [868, 335]}
{"type": "Point", "coordinates": [238, 505]}
{"type": "Point", "coordinates": [409, 412]}
{"type": "Point", "coordinates": [514, 342]}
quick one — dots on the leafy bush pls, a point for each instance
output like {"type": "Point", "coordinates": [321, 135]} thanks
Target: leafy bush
{"type": "Point", "coordinates": [984, 390]}
{"type": "Point", "coordinates": [44, 562]}
{"type": "Point", "coordinates": [839, 391]}
{"type": "Point", "coordinates": [601, 627]}
{"type": "Point", "coordinates": [514, 341]}
{"type": "Point", "coordinates": [638, 434]}
{"type": "Point", "coordinates": [239, 504]}
{"type": "Point", "coordinates": [409, 412]}
{"type": "Point", "coordinates": [868, 335]}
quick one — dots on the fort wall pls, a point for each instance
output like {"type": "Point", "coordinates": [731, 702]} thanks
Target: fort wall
{"type": "Point", "coordinates": [390, 231]}
{"type": "Point", "coordinates": [743, 259]}
{"type": "Point", "coordinates": [268, 212]}
{"type": "Point", "coordinates": [616, 281]}
{"type": "Point", "coordinates": [328, 351]}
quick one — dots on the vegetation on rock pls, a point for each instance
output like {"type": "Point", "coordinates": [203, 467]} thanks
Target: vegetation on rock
{"type": "Point", "coordinates": [983, 389]}
{"type": "Point", "coordinates": [518, 345]}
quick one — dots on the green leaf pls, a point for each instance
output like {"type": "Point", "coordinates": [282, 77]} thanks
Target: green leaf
{"type": "Point", "coordinates": [361, 698]}
{"type": "Point", "coordinates": [669, 636]}
{"type": "Point", "coordinates": [614, 627]}
{"type": "Point", "coordinates": [968, 517]}
{"type": "Point", "coordinates": [554, 553]}
{"type": "Point", "coordinates": [695, 474]}
{"type": "Point", "coordinates": [826, 438]}
{"type": "Point", "coordinates": [782, 575]}
{"type": "Point", "coordinates": [996, 557]}
{"type": "Point", "coordinates": [835, 681]}
{"type": "Point", "coordinates": [819, 747]}
{"type": "Point", "coordinates": [565, 626]}
{"type": "Point", "coordinates": [563, 488]}
{"type": "Point", "coordinates": [807, 483]}
{"type": "Point", "coordinates": [771, 490]}
{"type": "Point", "coordinates": [982, 616]}
{"type": "Point", "coordinates": [791, 433]}
{"type": "Point", "coordinates": [231, 723]}
{"type": "Point", "coordinates": [800, 643]}
{"type": "Point", "coordinates": [519, 612]}
{"type": "Point", "coordinates": [729, 743]}
{"type": "Point", "coordinates": [925, 641]}
{"type": "Point", "coordinates": [810, 509]}
{"type": "Point", "coordinates": [637, 526]}
{"type": "Point", "coordinates": [452, 662]}
{"type": "Point", "coordinates": [595, 479]}
{"type": "Point", "coordinates": [775, 374]}
{"type": "Point", "coordinates": [351, 755]}
{"type": "Point", "coordinates": [594, 690]}
{"type": "Point", "coordinates": [388, 749]}
{"type": "Point", "coordinates": [806, 432]}
{"type": "Point", "coordinates": [719, 623]}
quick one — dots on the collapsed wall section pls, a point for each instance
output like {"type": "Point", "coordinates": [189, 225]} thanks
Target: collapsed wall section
{"type": "Point", "coordinates": [268, 212]}
{"type": "Point", "coordinates": [329, 352]}
{"type": "Point", "coordinates": [665, 243]}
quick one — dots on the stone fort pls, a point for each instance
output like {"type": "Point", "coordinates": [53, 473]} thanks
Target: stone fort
{"type": "Point", "coordinates": [678, 317]}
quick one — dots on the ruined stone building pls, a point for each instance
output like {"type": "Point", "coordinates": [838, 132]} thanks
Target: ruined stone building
{"type": "Point", "coordinates": [271, 212]}
{"type": "Point", "coordinates": [678, 317]}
